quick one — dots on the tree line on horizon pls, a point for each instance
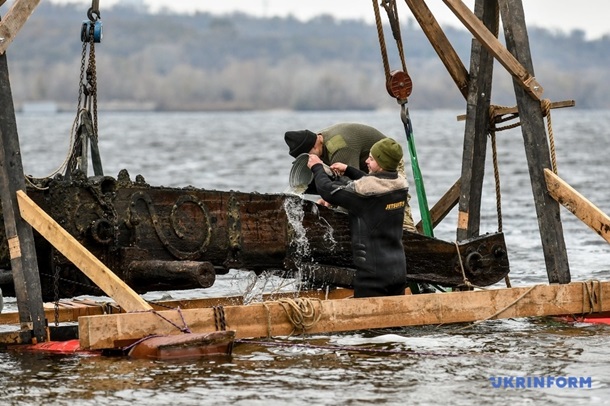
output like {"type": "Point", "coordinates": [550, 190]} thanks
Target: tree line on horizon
{"type": "Point", "coordinates": [180, 62]}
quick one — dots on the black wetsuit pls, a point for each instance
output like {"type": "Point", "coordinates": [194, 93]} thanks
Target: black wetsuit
{"type": "Point", "coordinates": [376, 205]}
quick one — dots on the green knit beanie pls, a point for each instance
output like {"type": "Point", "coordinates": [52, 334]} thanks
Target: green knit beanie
{"type": "Point", "coordinates": [387, 153]}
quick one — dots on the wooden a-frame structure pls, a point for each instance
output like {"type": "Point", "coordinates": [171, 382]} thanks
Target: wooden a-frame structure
{"type": "Point", "coordinates": [476, 87]}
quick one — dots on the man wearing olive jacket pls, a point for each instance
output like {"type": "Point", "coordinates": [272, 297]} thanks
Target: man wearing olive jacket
{"type": "Point", "coordinates": [348, 143]}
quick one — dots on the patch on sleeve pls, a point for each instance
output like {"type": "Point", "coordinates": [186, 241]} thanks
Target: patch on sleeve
{"type": "Point", "coordinates": [334, 144]}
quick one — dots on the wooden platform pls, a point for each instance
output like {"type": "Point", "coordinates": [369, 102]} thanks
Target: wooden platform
{"type": "Point", "coordinates": [274, 318]}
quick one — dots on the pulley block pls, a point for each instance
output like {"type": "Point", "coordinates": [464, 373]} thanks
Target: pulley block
{"type": "Point", "coordinates": [85, 32]}
{"type": "Point", "coordinates": [399, 85]}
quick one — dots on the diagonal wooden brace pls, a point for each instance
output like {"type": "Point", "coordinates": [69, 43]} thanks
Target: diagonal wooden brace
{"type": "Point", "coordinates": [578, 205]}
{"type": "Point", "coordinates": [14, 20]}
{"type": "Point", "coordinates": [495, 47]}
{"type": "Point", "coordinates": [65, 243]}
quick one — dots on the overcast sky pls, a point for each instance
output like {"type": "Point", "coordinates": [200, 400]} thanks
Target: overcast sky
{"type": "Point", "coordinates": [565, 15]}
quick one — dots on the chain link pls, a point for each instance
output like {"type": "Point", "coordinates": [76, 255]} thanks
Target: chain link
{"type": "Point", "coordinates": [56, 294]}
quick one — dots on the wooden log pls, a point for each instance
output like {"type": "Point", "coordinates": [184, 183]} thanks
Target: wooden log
{"type": "Point", "coordinates": [536, 148]}
{"type": "Point", "coordinates": [273, 318]}
{"type": "Point", "coordinates": [441, 44]}
{"type": "Point", "coordinates": [19, 235]}
{"type": "Point", "coordinates": [519, 72]}
{"type": "Point", "coordinates": [16, 17]}
{"type": "Point", "coordinates": [476, 129]}
{"type": "Point", "coordinates": [168, 275]}
{"type": "Point", "coordinates": [578, 205]}
{"type": "Point", "coordinates": [80, 256]}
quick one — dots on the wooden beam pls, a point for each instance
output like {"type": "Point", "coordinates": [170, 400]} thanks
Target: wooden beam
{"type": "Point", "coordinates": [20, 237]}
{"type": "Point", "coordinates": [477, 127]}
{"type": "Point", "coordinates": [65, 243]}
{"type": "Point", "coordinates": [71, 310]}
{"type": "Point", "coordinates": [443, 206]}
{"type": "Point", "coordinates": [537, 149]}
{"type": "Point", "coordinates": [493, 45]}
{"type": "Point", "coordinates": [273, 319]}
{"type": "Point", "coordinates": [502, 111]}
{"type": "Point", "coordinates": [16, 17]}
{"type": "Point", "coordinates": [578, 205]}
{"type": "Point", "coordinates": [441, 44]}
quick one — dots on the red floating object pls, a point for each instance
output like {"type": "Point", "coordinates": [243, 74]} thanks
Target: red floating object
{"type": "Point", "coordinates": [217, 343]}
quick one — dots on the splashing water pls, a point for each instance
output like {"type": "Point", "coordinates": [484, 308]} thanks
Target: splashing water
{"type": "Point", "coordinates": [329, 237]}
{"type": "Point", "coordinates": [296, 190]}
{"type": "Point", "coordinates": [295, 214]}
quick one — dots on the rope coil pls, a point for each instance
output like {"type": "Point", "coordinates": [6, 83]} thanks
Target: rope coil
{"type": "Point", "coordinates": [301, 312]}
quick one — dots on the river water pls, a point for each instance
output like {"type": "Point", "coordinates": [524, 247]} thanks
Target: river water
{"type": "Point", "coordinates": [450, 364]}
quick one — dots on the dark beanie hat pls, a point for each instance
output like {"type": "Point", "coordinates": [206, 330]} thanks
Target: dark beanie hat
{"type": "Point", "coordinates": [387, 153]}
{"type": "Point", "coordinates": [300, 142]}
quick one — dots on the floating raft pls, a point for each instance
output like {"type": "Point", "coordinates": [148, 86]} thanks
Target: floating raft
{"type": "Point", "coordinates": [277, 318]}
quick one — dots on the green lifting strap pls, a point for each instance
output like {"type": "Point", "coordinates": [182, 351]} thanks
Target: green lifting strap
{"type": "Point", "coordinates": [419, 181]}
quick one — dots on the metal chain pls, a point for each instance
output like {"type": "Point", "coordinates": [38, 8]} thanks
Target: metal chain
{"type": "Point", "coordinates": [87, 86]}
{"type": "Point", "coordinates": [71, 163]}
{"type": "Point", "coordinates": [92, 77]}
{"type": "Point", "coordinates": [56, 294]}
{"type": "Point", "coordinates": [72, 282]}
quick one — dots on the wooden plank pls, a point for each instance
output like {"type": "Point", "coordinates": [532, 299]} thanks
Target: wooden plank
{"type": "Point", "coordinates": [14, 337]}
{"type": "Point", "coordinates": [65, 243]}
{"type": "Point", "coordinates": [71, 310]}
{"type": "Point", "coordinates": [502, 111]}
{"type": "Point", "coordinates": [19, 235]}
{"type": "Point", "coordinates": [443, 206]}
{"type": "Point", "coordinates": [16, 17]}
{"type": "Point", "coordinates": [537, 149]}
{"type": "Point", "coordinates": [493, 45]}
{"type": "Point", "coordinates": [476, 129]}
{"type": "Point", "coordinates": [578, 205]}
{"type": "Point", "coordinates": [441, 44]}
{"type": "Point", "coordinates": [271, 319]}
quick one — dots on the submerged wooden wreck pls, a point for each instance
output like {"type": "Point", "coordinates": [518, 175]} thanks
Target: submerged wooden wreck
{"type": "Point", "coordinates": [128, 237]}
{"type": "Point", "coordinates": [159, 238]}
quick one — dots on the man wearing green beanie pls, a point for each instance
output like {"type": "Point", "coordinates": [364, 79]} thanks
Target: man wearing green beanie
{"type": "Point", "coordinates": [348, 143]}
{"type": "Point", "coordinates": [375, 203]}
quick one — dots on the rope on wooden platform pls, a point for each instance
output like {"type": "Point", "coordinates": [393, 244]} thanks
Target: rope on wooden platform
{"type": "Point", "coordinates": [219, 318]}
{"type": "Point", "coordinates": [184, 328]}
{"type": "Point", "coordinates": [591, 295]}
{"type": "Point", "coordinates": [501, 310]}
{"type": "Point", "coordinates": [301, 312]}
